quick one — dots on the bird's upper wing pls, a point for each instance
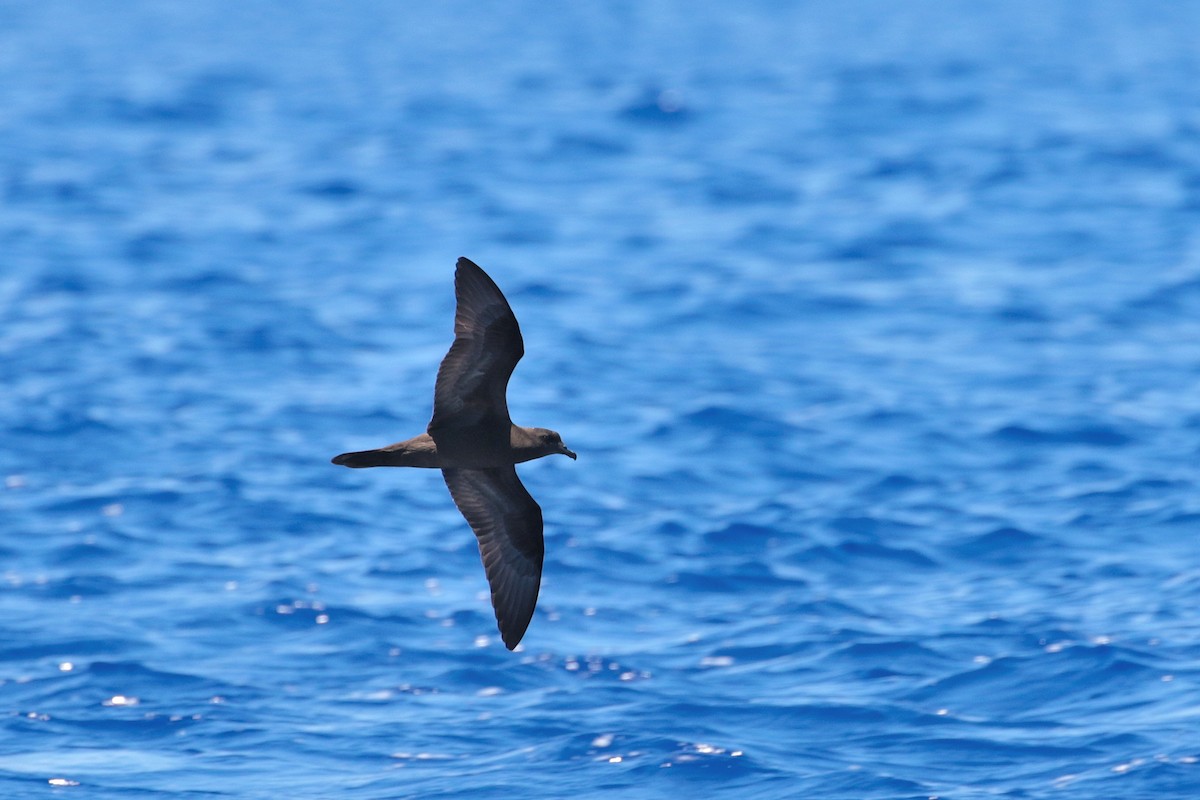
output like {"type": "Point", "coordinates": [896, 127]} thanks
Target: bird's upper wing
{"type": "Point", "coordinates": [473, 378]}
{"type": "Point", "coordinates": [508, 523]}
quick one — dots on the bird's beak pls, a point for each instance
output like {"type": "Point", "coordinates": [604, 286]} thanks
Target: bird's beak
{"type": "Point", "coordinates": [567, 452]}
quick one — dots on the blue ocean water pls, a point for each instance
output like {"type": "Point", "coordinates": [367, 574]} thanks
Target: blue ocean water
{"type": "Point", "coordinates": [875, 327]}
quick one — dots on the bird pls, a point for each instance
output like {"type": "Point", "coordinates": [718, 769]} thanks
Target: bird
{"type": "Point", "coordinates": [475, 444]}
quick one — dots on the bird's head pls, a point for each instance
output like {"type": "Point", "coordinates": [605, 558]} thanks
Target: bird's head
{"type": "Point", "coordinates": [553, 443]}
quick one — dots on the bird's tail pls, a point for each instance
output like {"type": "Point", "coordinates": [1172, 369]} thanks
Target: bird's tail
{"type": "Point", "coordinates": [369, 458]}
{"type": "Point", "coordinates": [419, 451]}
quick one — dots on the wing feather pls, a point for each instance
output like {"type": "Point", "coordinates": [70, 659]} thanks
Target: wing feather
{"type": "Point", "coordinates": [472, 380]}
{"type": "Point", "coordinates": [508, 524]}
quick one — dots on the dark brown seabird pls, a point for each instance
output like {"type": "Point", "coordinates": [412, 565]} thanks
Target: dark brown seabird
{"type": "Point", "coordinates": [474, 443]}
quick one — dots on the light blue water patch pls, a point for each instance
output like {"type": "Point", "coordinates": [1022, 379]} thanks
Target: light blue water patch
{"type": "Point", "coordinates": [874, 328]}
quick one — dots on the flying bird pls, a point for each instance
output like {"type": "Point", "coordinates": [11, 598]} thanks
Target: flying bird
{"type": "Point", "coordinates": [476, 446]}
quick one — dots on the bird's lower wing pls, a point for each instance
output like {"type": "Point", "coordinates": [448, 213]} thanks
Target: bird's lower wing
{"type": "Point", "coordinates": [508, 523]}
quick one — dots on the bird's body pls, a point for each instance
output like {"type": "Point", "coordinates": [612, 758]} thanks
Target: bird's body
{"type": "Point", "coordinates": [420, 451]}
{"type": "Point", "coordinates": [475, 444]}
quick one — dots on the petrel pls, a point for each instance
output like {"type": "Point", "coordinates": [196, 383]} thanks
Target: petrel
{"type": "Point", "coordinates": [476, 446]}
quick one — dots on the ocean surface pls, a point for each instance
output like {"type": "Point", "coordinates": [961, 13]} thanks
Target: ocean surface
{"type": "Point", "coordinates": [876, 328]}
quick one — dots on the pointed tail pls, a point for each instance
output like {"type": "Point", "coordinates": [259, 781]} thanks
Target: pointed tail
{"type": "Point", "coordinates": [368, 458]}
{"type": "Point", "coordinates": [419, 451]}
